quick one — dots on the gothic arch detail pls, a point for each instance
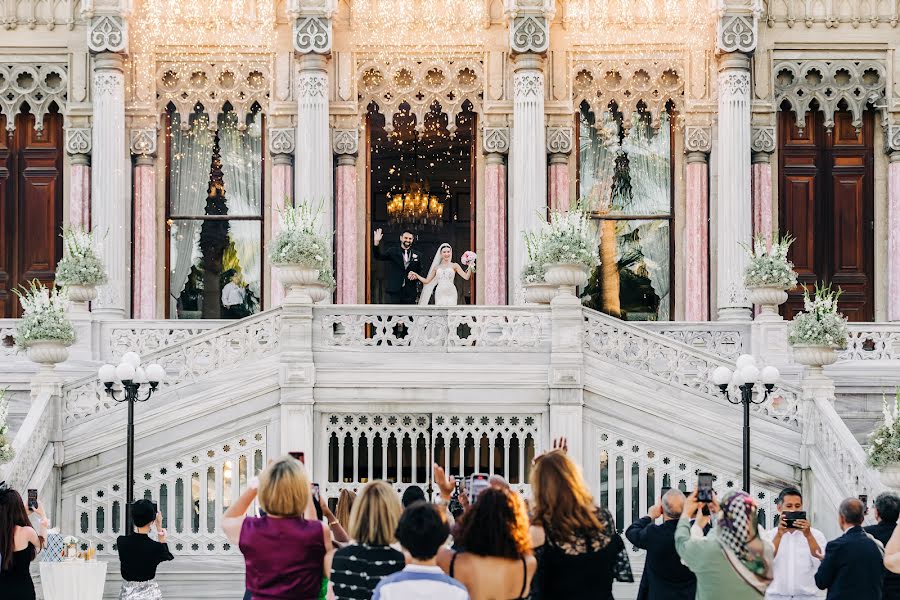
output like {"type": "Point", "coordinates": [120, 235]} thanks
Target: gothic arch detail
{"type": "Point", "coordinates": [37, 85]}
{"type": "Point", "coordinates": [240, 83]}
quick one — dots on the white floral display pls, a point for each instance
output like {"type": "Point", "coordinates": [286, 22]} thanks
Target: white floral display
{"type": "Point", "coordinates": [567, 238]}
{"type": "Point", "coordinates": [80, 264]}
{"type": "Point", "coordinates": [884, 442]}
{"type": "Point", "coordinates": [298, 243]}
{"type": "Point", "coordinates": [820, 323]}
{"type": "Point", "coordinates": [326, 277]}
{"type": "Point", "coordinates": [44, 317]}
{"type": "Point", "coordinates": [6, 449]}
{"type": "Point", "coordinates": [770, 268]}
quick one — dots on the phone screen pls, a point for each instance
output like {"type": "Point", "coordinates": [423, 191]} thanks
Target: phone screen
{"type": "Point", "coordinates": [315, 490]}
{"type": "Point", "coordinates": [478, 482]}
{"type": "Point", "coordinates": [155, 509]}
{"type": "Point", "coordinates": [32, 498]}
{"type": "Point", "coordinates": [704, 487]}
{"type": "Point", "coordinates": [299, 456]}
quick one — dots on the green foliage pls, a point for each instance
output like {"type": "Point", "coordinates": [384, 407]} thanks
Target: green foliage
{"type": "Point", "coordinates": [820, 323]}
{"type": "Point", "coordinates": [44, 317]}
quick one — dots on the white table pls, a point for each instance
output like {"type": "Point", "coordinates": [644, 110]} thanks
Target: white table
{"type": "Point", "coordinates": [73, 580]}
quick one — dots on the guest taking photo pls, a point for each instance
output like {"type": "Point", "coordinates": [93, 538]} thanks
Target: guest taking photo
{"type": "Point", "coordinates": [19, 544]}
{"type": "Point", "coordinates": [139, 556]}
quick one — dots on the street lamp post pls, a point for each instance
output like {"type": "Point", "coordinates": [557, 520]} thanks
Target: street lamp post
{"type": "Point", "coordinates": [745, 376]}
{"type": "Point", "coordinates": [131, 376]}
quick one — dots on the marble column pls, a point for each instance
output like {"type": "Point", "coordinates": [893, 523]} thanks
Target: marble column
{"type": "Point", "coordinates": [110, 209]}
{"type": "Point", "coordinates": [281, 148]}
{"type": "Point", "coordinates": [145, 230]}
{"type": "Point", "coordinates": [313, 183]}
{"type": "Point", "coordinates": [762, 146]}
{"type": "Point", "coordinates": [559, 146]}
{"type": "Point", "coordinates": [696, 237]}
{"type": "Point", "coordinates": [734, 225]}
{"type": "Point", "coordinates": [494, 259]}
{"type": "Point", "coordinates": [78, 147]}
{"type": "Point", "coordinates": [345, 145]}
{"type": "Point", "coordinates": [894, 234]}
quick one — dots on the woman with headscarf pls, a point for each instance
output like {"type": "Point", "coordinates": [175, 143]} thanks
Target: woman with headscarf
{"type": "Point", "coordinates": [732, 561]}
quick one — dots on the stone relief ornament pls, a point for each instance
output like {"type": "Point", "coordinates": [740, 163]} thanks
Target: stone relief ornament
{"type": "Point", "coordinates": [697, 138]}
{"type": "Point", "coordinates": [281, 141]}
{"type": "Point", "coordinates": [345, 141]}
{"type": "Point", "coordinates": [312, 34]}
{"type": "Point", "coordinates": [559, 140]}
{"type": "Point", "coordinates": [830, 15]}
{"type": "Point", "coordinates": [527, 84]}
{"type": "Point", "coordinates": [143, 142]}
{"type": "Point", "coordinates": [108, 33]}
{"type": "Point", "coordinates": [312, 85]}
{"type": "Point", "coordinates": [762, 139]}
{"type": "Point", "coordinates": [893, 138]}
{"type": "Point", "coordinates": [737, 33]}
{"type": "Point", "coordinates": [37, 85]}
{"type": "Point", "coordinates": [529, 33]}
{"type": "Point", "coordinates": [108, 83]}
{"type": "Point", "coordinates": [78, 140]}
{"type": "Point", "coordinates": [496, 140]}
{"type": "Point", "coordinates": [858, 83]}
{"type": "Point", "coordinates": [241, 82]}
{"type": "Point", "coordinates": [734, 84]}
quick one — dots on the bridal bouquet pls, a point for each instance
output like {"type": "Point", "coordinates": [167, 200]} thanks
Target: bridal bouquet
{"type": "Point", "coordinates": [468, 259]}
{"type": "Point", "coordinates": [6, 449]}
{"type": "Point", "coordinates": [80, 264]}
{"type": "Point", "coordinates": [298, 242]}
{"type": "Point", "coordinates": [770, 268]}
{"type": "Point", "coordinates": [44, 317]}
{"type": "Point", "coordinates": [884, 442]}
{"type": "Point", "coordinates": [820, 323]}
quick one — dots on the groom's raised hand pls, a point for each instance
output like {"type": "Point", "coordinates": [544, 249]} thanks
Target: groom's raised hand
{"type": "Point", "coordinates": [377, 235]}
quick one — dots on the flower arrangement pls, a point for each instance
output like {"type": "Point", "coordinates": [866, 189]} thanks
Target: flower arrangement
{"type": "Point", "coordinates": [468, 259]}
{"type": "Point", "coordinates": [326, 277]}
{"type": "Point", "coordinates": [298, 243]}
{"type": "Point", "coordinates": [884, 442]}
{"type": "Point", "coordinates": [533, 273]}
{"type": "Point", "coordinates": [820, 323]}
{"type": "Point", "coordinates": [566, 238]}
{"type": "Point", "coordinates": [6, 449]}
{"type": "Point", "coordinates": [70, 540]}
{"type": "Point", "coordinates": [44, 317]}
{"type": "Point", "coordinates": [770, 268]}
{"type": "Point", "coordinates": [81, 264]}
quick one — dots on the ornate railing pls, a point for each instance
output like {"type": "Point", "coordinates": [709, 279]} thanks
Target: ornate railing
{"type": "Point", "coordinates": [431, 329]}
{"type": "Point", "coordinates": [30, 441]}
{"type": "Point", "coordinates": [665, 360]}
{"type": "Point", "coordinates": [727, 340]}
{"type": "Point", "coordinates": [872, 341]}
{"type": "Point", "coordinates": [8, 348]}
{"type": "Point", "coordinates": [224, 348]}
{"type": "Point", "coordinates": [146, 337]}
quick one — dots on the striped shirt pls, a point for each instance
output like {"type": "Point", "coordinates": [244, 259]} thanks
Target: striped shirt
{"type": "Point", "coordinates": [418, 581]}
{"type": "Point", "coordinates": [357, 569]}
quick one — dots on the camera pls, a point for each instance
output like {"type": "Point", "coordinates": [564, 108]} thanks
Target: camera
{"type": "Point", "coordinates": [704, 487]}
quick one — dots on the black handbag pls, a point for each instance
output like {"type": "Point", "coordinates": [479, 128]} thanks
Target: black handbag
{"type": "Point", "coordinates": [622, 565]}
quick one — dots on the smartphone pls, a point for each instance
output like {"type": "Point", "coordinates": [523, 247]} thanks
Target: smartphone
{"type": "Point", "coordinates": [791, 516]}
{"type": "Point", "coordinates": [704, 487]}
{"type": "Point", "coordinates": [477, 483]}
{"type": "Point", "coordinates": [705, 510]}
{"type": "Point", "coordinates": [299, 456]}
{"type": "Point", "coordinates": [32, 499]}
{"type": "Point", "coordinates": [315, 491]}
{"type": "Point", "coordinates": [864, 498]}
{"type": "Point", "coordinates": [663, 490]}
{"type": "Point", "coordinates": [155, 509]}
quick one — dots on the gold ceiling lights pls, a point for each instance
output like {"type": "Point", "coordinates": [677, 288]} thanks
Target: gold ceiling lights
{"type": "Point", "coordinates": [415, 206]}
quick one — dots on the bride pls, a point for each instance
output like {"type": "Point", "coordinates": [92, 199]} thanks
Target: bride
{"type": "Point", "coordinates": [440, 278]}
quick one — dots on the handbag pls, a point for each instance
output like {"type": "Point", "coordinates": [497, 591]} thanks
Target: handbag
{"type": "Point", "coordinates": [622, 565]}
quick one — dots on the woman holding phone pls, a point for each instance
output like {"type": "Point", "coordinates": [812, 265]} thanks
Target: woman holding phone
{"type": "Point", "coordinates": [19, 544]}
{"type": "Point", "coordinates": [139, 556]}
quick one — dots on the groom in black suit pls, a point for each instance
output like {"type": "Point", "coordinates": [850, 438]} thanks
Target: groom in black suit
{"type": "Point", "coordinates": [401, 260]}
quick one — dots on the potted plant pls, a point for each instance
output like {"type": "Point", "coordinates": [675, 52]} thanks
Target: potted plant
{"type": "Point", "coordinates": [44, 332]}
{"type": "Point", "coordinates": [769, 274]}
{"type": "Point", "coordinates": [816, 333]}
{"type": "Point", "coordinates": [537, 290]}
{"type": "Point", "coordinates": [568, 250]}
{"type": "Point", "coordinates": [80, 271]}
{"type": "Point", "coordinates": [323, 287]}
{"type": "Point", "coordinates": [299, 252]}
{"type": "Point", "coordinates": [6, 449]}
{"type": "Point", "coordinates": [884, 443]}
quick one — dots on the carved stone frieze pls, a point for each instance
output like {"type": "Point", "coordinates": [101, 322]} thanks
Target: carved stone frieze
{"type": "Point", "coordinates": [559, 140]}
{"type": "Point", "coordinates": [857, 83]}
{"type": "Point", "coordinates": [312, 84]}
{"type": "Point", "coordinates": [108, 33]}
{"type": "Point", "coordinates": [35, 14]}
{"type": "Point", "coordinates": [496, 140]}
{"type": "Point", "coordinates": [697, 138]}
{"type": "Point", "coordinates": [831, 15]}
{"type": "Point", "coordinates": [78, 140]}
{"type": "Point", "coordinates": [282, 140]}
{"type": "Point", "coordinates": [345, 141]}
{"type": "Point", "coordinates": [737, 32]}
{"type": "Point", "coordinates": [143, 142]}
{"type": "Point", "coordinates": [529, 33]}
{"type": "Point", "coordinates": [238, 82]}
{"type": "Point", "coordinates": [38, 85]}
{"type": "Point", "coordinates": [528, 83]}
{"type": "Point", "coordinates": [762, 139]}
{"type": "Point", "coordinates": [734, 84]}
{"type": "Point", "coordinates": [312, 35]}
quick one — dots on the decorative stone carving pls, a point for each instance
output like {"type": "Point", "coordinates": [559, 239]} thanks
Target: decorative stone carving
{"type": "Point", "coordinates": [559, 140]}
{"type": "Point", "coordinates": [529, 33]}
{"type": "Point", "coordinates": [345, 141]}
{"type": "Point", "coordinates": [496, 140]}
{"type": "Point", "coordinates": [143, 142]}
{"type": "Point", "coordinates": [312, 34]}
{"type": "Point", "coordinates": [893, 138]}
{"type": "Point", "coordinates": [830, 15]}
{"type": "Point", "coordinates": [653, 83]}
{"type": "Point", "coordinates": [281, 141]}
{"type": "Point", "coordinates": [697, 138]}
{"type": "Point", "coordinates": [39, 13]}
{"type": "Point", "coordinates": [762, 139]}
{"type": "Point", "coordinates": [312, 84]}
{"type": "Point", "coordinates": [241, 82]}
{"type": "Point", "coordinates": [857, 82]}
{"type": "Point", "coordinates": [737, 33]}
{"type": "Point", "coordinates": [78, 140]}
{"type": "Point", "coordinates": [108, 33]}
{"type": "Point", "coordinates": [734, 83]}
{"type": "Point", "coordinates": [527, 84]}
{"type": "Point", "coordinates": [37, 85]}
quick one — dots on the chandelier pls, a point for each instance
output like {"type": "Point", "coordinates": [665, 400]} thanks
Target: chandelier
{"type": "Point", "coordinates": [415, 206]}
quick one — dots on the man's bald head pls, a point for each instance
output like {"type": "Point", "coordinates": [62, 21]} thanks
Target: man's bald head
{"type": "Point", "coordinates": [672, 503]}
{"type": "Point", "coordinates": [852, 511]}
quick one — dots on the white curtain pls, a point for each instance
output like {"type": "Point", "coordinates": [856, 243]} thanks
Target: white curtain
{"type": "Point", "coordinates": [242, 173]}
{"type": "Point", "coordinates": [189, 176]}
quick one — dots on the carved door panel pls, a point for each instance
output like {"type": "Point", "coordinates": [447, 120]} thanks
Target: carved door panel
{"type": "Point", "coordinates": [7, 220]}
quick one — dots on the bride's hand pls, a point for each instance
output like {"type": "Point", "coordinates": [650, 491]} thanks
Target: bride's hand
{"type": "Point", "coordinates": [412, 275]}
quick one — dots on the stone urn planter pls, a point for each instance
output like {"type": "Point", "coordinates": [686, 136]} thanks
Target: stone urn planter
{"type": "Point", "coordinates": [769, 298]}
{"type": "Point", "coordinates": [81, 293]}
{"type": "Point", "coordinates": [566, 276]}
{"type": "Point", "coordinates": [318, 292]}
{"type": "Point", "coordinates": [47, 353]}
{"type": "Point", "coordinates": [814, 357]}
{"type": "Point", "coordinates": [297, 281]}
{"type": "Point", "coordinates": [539, 293]}
{"type": "Point", "coordinates": [890, 475]}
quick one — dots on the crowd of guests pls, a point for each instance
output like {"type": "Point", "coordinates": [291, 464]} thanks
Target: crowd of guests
{"type": "Point", "coordinates": [560, 544]}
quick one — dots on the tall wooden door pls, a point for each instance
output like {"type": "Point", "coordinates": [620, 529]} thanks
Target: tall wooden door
{"type": "Point", "coordinates": [30, 205]}
{"type": "Point", "coordinates": [826, 201]}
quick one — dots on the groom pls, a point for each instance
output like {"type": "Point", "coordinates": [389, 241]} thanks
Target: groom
{"type": "Point", "coordinates": [401, 260]}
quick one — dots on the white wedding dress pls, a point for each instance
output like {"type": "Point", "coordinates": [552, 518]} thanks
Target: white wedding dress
{"type": "Point", "coordinates": [445, 292]}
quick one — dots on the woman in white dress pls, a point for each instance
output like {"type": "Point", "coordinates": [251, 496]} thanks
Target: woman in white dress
{"type": "Point", "coordinates": [440, 278]}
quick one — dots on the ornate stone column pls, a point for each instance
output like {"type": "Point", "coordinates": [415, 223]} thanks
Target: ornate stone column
{"type": "Point", "coordinates": [762, 145]}
{"type": "Point", "coordinates": [496, 146]}
{"type": "Point", "coordinates": [697, 145]}
{"type": "Point", "coordinates": [143, 147]}
{"type": "Point", "coordinates": [559, 146]}
{"type": "Point", "coordinates": [281, 148]}
{"type": "Point", "coordinates": [894, 223]}
{"type": "Point", "coordinates": [345, 144]}
{"type": "Point", "coordinates": [78, 147]}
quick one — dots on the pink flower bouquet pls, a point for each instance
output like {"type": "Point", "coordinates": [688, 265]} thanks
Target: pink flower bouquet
{"type": "Point", "coordinates": [468, 259]}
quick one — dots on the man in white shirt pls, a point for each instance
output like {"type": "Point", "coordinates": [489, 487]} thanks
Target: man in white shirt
{"type": "Point", "coordinates": [232, 298]}
{"type": "Point", "coordinates": [798, 551]}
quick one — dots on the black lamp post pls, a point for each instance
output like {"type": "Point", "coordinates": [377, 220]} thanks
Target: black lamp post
{"type": "Point", "coordinates": [745, 376]}
{"type": "Point", "coordinates": [131, 376]}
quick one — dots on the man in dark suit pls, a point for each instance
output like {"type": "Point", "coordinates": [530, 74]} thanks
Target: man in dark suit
{"type": "Point", "coordinates": [887, 510]}
{"type": "Point", "coordinates": [852, 567]}
{"type": "Point", "coordinates": [665, 577]}
{"type": "Point", "coordinates": [401, 260]}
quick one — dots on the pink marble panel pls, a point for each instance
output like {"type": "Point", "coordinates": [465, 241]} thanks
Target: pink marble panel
{"type": "Point", "coordinates": [80, 196]}
{"type": "Point", "coordinates": [696, 244]}
{"type": "Point", "coordinates": [144, 276]}
{"type": "Point", "coordinates": [282, 186]}
{"type": "Point", "coordinates": [894, 240]}
{"type": "Point", "coordinates": [559, 186]}
{"type": "Point", "coordinates": [492, 265]}
{"type": "Point", "coordinates": [761, 186]}
{"type": "Point", "coordinates": [347, 242]}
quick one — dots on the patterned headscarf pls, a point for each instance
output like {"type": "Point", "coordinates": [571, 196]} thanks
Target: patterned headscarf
{"type": "Point", "coordinates": [738, 533]}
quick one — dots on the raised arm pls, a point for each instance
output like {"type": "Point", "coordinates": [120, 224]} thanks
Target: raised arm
{"type": "Point", "coordinates": [377, 254]}
{"type": "Point", "coordinates": [465, 274]}
{"type": "Point", "coordinates": [233, 519]}
{"type": "Point", "coordinates": [892, 552]}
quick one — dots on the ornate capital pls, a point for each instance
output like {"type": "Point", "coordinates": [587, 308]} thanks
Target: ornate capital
{"type": "Point", "coordinates": [528, 84]}
{"type": "Point", "coordinates": [312, 85]}
{"type": "Point", "coordinates": [892, 140]}
{"type": "Point", "coordinates": [737, 32]}
{"type": "Point", "coordinates": [143, 142]}
{"type": "Point", "coordinates": [108, 33]}
{"type": "Point", "coordinates": [529, 33]}
{"type": "Point", "coordinates": [762, 139]}
{"type": "Point", "coordinates": [281, 141]}
{"type": "Point", "coordinates": [312, 35]}
{"type": "Point", "coordinates": [697, 138]}
{"type": "Point", "coordinates": [559, 140]}
{"type": "Point", "coordinates": [734, 84]}
{"type": "Point", "coordinates": [78, 140]}
{"type": "Point", "coordinates": [345, 141]}
{"type": "Point", "coordinates": [496, 140]}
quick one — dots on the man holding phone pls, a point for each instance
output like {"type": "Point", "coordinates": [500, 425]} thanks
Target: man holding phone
{"type": "Point", "coordinates": [798, 550]}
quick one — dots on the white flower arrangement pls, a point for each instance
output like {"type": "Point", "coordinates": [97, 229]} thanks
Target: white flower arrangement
{"type": "Point", "coordinates": [820, 323]}
{"type": "Point", "coordinates": [44, 317]}
{"type": "Point", "coordinates": [884, 442]}
{"type": "Point", "coordinates": [6, 450]}
{"type": "Point", "coordinates": [81, 264]}
{"type": "Point", "coordinates": [566, 238]}
{"type": "Point", "coordinates": [298, 242]}
{"type": "Point", "coordinates": [70, 540]}
{"type": "Point", "coordinates": [326, 277]}
{"type": "Point", "coordinates": [533, 273]}
{"type": "Point", "coordinates": [770, 268]}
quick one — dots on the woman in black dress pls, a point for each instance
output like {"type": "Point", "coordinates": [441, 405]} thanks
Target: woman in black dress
{"type": "Point", "coordinates": [19, 545]}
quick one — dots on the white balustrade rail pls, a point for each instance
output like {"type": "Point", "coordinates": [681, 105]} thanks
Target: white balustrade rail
{"type": "Point", "coordinates": [728, 340]}
{"type": "Point", "coordinates": [146, 337]}
{"type": "Point", "coordinates": [872, 341]}
{"type": "Point", "coordinates": [8, 348]}
{"type": "Point", "coordinates": [31, 439]}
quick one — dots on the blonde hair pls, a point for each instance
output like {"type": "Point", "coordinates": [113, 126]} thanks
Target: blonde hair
{"type": "Point", "coordinates": [344, 507]}
{"type": "Point", "coordinates": [561, 499]}
{"type": "Point", "coordinates": [375, 515]}
{"type": "Point", "coordinates": [284, 488]}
